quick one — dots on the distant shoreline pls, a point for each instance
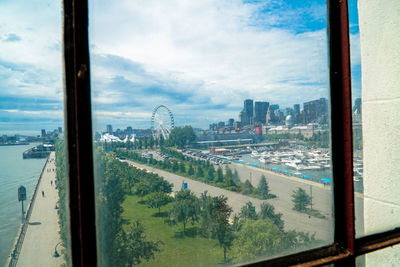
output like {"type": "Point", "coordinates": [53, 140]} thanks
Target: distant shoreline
{"type": "Point", "coordinates": [15, 144]}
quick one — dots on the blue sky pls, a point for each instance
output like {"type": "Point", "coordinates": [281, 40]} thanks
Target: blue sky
{"type": "Point", "coordinates": [200, 58]}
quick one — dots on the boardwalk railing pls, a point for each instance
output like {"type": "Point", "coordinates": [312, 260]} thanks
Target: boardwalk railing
{"type": "Point", "coordinates": [16, 249]}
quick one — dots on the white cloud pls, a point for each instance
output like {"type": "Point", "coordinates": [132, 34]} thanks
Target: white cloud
{"type": "Point", "coordinates": [35, 67]}
{"type": "Point", "coordinates": [210, 44]}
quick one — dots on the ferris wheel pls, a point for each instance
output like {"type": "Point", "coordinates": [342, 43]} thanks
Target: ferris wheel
{"type": "Point", "coordinates": [162, 122]}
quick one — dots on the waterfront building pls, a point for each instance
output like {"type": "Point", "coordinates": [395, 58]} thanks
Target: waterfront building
{"type": "Point", "coordinates": [230, 122]}
{"type": "Point", "coordinates": [305, 130]}
{"type": "Point", "coordinates": [43, 133]}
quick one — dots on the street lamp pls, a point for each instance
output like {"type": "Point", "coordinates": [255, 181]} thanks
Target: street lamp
{"type": "Point", "coordinates": [56, 254]}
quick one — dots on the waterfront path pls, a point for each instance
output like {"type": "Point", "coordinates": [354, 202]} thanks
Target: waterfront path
{"type": "Point", "coordinates": [42, 234]}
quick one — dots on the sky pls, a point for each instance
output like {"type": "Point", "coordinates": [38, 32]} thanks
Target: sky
{"type": "Point", "coordinates": [201, 59]}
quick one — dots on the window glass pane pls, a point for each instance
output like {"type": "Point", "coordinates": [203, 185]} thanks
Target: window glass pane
{"type": "Point", "coordinates": [32, 215]}
{"type": "Point", "coordinates": [375, 62]}
{"type": "Point", "coordinates": [212, 139]}
{"type": "Point", "coordinates": [384, 257]}
{"type": "Point", "coordinates": [357, 117]}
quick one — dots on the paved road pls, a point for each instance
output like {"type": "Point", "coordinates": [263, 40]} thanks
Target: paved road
{"type": "Point", "coordinates": [279, 186]}
{"type": "Point", "coordinates": [43, 231]}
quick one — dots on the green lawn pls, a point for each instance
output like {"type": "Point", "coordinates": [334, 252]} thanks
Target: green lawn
{"type": "Point", "coordinates": [177, 250]}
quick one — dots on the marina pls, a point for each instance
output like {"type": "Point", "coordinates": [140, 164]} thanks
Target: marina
{"type": "Point", "coordinates": [313, 164]}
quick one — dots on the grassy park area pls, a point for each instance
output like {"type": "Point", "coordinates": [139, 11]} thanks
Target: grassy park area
{"type": "Point", "coordinates": [177, 249]}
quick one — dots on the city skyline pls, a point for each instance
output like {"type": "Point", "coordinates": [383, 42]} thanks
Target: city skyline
{"type": "Point", "coordinates": [228, 51]}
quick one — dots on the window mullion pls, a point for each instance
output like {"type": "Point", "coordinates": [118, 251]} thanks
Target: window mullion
{"type": "Point", "coordinates": [79, 133]}
{"type": "Point", "coordinates": [341, 123]}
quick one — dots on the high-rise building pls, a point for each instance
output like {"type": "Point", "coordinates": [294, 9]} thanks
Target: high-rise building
{"type": "Point", "coordinates": [260, 111]}
{"type": "Point", "coordinates": [247, 116]}
{"type": "Point", "coordinates": [109, 129]}
{"type": "Point", "coordinates": [248, 107]}
{"type": "Point", "coordinates": [316, 111]}
{"type": "Point", "coordinates": [244, 118]}
{"type": "Point", "coordinates": [270, 118]}
{"type": "Point", "coordinates": [230, 122]}
{"type": "Point", "coordinates": [296, 109]}
{"type": "Point", "coordinates": [43, 135]}
{"type": "Point", "coordinates": [274, 107]}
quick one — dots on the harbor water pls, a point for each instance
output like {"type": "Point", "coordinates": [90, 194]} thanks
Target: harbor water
{"type": "Point", "coordinates": [14, 172]}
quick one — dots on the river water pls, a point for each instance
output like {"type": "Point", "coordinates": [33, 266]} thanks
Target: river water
{"type": "Point", "coordinates": [14, 172]}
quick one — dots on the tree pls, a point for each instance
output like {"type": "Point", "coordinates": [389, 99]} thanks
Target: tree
{"type": "Point", "coordinates": [247, 188]}
{"type": "Point", "coordinates": [182, 168]}
{"type": "Point", "coordinates": [263, 188]}
{"type": "Point", "coordinates": [235, 177]}
{"type": "Point", "coordinates": [141, 189]}
{"type": "Point", "coordinates": [267, 211]}
{"type": "Point", "coordinates": [248, 211]}
{"type": "Point", "coordinates": [191, 170]}
{"type": "Point", "coordinates": [162, 141]}
{"type": "Point", "coordinates": [220, 175]}
{"type": "Point", "coordinates": [175, 166]}
{"type": "Point", "coordinates": [157, 200]}
{"type": "Point", "coordinates": [181, 136]}
{"type": "Point", "coordinates": [185, 207]}
{"type": "Point", "coordinates": [300, 199]}
{"type": "Point", "coordinates": [151, 142]}
{"type": "Point", "coordinates": [258, 238]}
{"type": "Point", "coordinates": [210, 173]}
{"type": "Point", "coordinates": [221, 228]}
{"type": "Point", "coordinates": [200, 172]}
{"type": "Point", "coordinates": [134, 247]}
{"type": "Point", "coordinates": [215, 213]}
{"type": "Point", "coordinates": [229, 177]}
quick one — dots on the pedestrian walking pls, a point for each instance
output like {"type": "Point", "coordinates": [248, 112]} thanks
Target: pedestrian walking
{"type": "Point", "coordinates": [42, 193]}
{"type": "Point", "coordinates": [51, 182]}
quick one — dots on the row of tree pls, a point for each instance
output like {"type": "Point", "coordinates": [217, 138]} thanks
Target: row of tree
{"type": "Point", "coordinates": [61, 182]}
{"type": "Point", "coordinates": [203, 171]}
{"type": "Point", "coordinates": [178, 137]}
{"type": "Point", "coordinates": [123, 243]}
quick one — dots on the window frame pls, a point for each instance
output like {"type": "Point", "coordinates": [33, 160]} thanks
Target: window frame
{"type": "Point", "coordinates": [345, 247]}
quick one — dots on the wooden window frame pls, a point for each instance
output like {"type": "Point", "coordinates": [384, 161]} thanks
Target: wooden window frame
{"type": "Point", "coordinates": [345, 247]}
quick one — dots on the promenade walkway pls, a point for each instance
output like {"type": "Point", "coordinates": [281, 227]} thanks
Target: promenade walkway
{"type": "Point", "coordinates": [42, 234]}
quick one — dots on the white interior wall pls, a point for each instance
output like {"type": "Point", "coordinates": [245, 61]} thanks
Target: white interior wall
{"type": "Point", "coordinates": [379, 23]}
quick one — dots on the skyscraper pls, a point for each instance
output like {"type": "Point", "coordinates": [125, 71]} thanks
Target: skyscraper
{"type": "Point", "coordinates": [316, 111]}
{"type": "Point", "coordinates": [260, 111]}
{"type": "Point", "coordinates": [248, 107]}
{"type": "Point", "coordinates": [109, 129]}
{"type": "Point", "coordinates": [296, 109]}
{"type": "Point", "coordinates": [247, 116]}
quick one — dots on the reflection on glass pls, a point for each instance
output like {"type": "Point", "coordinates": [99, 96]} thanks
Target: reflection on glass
{"type": "Point", "coordinates": [212, 136]}
{"type": "Point", "coordinates": [32, 178]}
{"type": "Point", "coordinates": [358, 163]}
{"type": "Point", "coordinates": [385, 257]}
{"type": "Point", "coordinates": [380, 208]}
